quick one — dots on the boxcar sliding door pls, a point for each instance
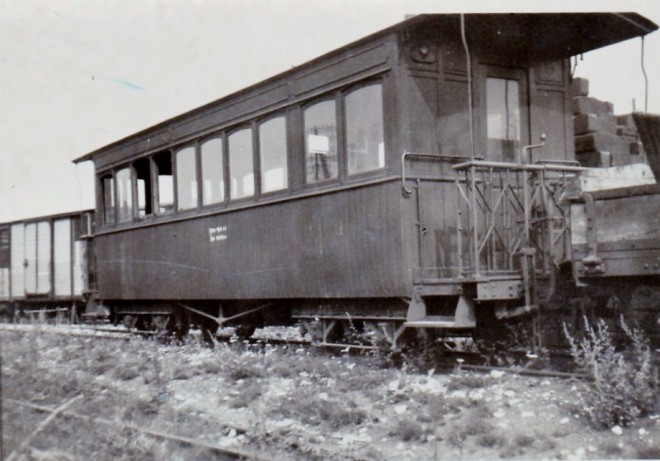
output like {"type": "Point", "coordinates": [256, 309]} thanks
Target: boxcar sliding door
{"type": "Point", "coordinates": [37, 258]}
{"type": "Point", "coordinates": [5, 261]}
{"type": "Point", "coordinates": [63, 257]}
{"type": "Point", "coordinates": [17, 261]}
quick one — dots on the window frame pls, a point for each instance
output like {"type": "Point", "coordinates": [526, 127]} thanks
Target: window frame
{"type": "Point", "coordinates": [196, 177]}
{"type": "Point", "coordinates": [133, 190]}
{"type": "Point", "coordinates": [228, 134]}
{"type": "Point", "coordinates": [347, 91]}
{"type": "Point", "coordinates": [221, 136]}
{"type": "Point", "coordinates": [488, 70]}
{"type": "Point", "coordinates": [287, 148]}
{"type": "Point", "coordinates": [294, 159]}
{"type": "Point", "coordinates": [149, 192]}
{"type": "Point", "coordinates": [102, 206]}
{"type": "Point", "coordinates": [156, 186]}
{"type": "Point", "coordinates": [336, 98]}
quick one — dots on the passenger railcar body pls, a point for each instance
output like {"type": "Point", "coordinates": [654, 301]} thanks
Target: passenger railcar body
{"type": "Point", "coordinates": [345, 189]}
{"type": "Point", "coordinates": [45, 263]}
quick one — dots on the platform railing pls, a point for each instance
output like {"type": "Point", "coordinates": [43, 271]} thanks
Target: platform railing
{"type": "Point", "coordinates": [512, 218]}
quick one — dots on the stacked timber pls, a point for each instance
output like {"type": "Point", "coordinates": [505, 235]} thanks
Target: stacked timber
{"type": "Point", "coordinates": [649, 132]}
{"type": "Point", "coordinates": [602, 139]}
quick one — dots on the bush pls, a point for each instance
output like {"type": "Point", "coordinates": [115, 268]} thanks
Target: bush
{"type": "Point", "coordinates": [623, 385]}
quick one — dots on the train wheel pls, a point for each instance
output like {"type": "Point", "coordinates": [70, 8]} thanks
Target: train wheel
{"type": "Point", "coordinates": [163, 326]}
{"type": "Point", "coordinates": [244, 331]}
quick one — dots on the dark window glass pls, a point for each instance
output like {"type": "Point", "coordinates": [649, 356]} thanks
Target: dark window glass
{"type": "Point", "coordinates": [186, 179]}
{"type": "Point", "coordinates": [364, 129]}
{"type": "Point", "coordinates": [165, 195]}
{"type": "Point", "coordinates": [272, 151]}
{"type": "Point", "coordinates": [241, 164]}
{"type": "Point", "coordinates": [503, 119]}
{"type": "Point", "coordinates": [144, 189]}
{"type": "Point", "coordinates": [125, 194]}
{"type": "Point", "coordinates": [108, 197]}
{"type": "Point", "coordinates": [321, 142]}
{"type": "Point", "coordinates": [212, 172]}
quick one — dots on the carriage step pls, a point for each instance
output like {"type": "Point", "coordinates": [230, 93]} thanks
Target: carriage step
{"type": "Point", "coordinates": [434, 322]}
{"type": "Point", "coordinates": [344, 346]}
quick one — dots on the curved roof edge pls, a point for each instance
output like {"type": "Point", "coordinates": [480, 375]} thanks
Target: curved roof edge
{"type": "Point", "coordinates": [559, 35]}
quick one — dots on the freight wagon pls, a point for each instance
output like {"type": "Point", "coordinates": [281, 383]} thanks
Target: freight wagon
{"type": "Point", "coordinates": [46, 264]}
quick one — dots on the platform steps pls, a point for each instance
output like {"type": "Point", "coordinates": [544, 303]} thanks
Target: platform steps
{"type": "Point", "coordinates": [464, 315]}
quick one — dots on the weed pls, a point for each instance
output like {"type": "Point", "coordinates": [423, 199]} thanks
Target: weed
{"type": "Point", "coordinates": [126, 372]}
{"type": "Point", "coordinates": [250, 392]}
{"type": "Point", "coordinates": [407, 430]}
{"type": "Point", "coordinates": [523, 440]}
{"type": "Point", "coordinates": [306, 406]}
{"type": "Point", "coordinates": [611, 449]}
{"type": "Point", "coordinates": [473, 422]}
{"type": "Point", "coordinates": [623, 386]}
{"type": "Point", "coordinates": [647, 451]}
{"type": "Point", "coordinates": [490, 440]}
{"type": "Point", "coordinates": [520, 443]}
{"type": "Point", "coordinates": [433, 408]}
{"type": "Point", "coordinates": [462, 380]}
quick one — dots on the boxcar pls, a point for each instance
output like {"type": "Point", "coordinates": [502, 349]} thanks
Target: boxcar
{"type": "Point", "coordinates": [46, 263]}
{"type": "Point", "coordinates": [335, 191]}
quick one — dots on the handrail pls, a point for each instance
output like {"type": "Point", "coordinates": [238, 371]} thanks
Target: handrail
{"type": "Point", "coordinates": [438, 157]}
{"type": "Point", "coordinates": [518, 166]}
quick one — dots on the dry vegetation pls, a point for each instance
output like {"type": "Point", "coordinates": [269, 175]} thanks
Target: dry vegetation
{"type": "Point", "coordinates": [292, 403]}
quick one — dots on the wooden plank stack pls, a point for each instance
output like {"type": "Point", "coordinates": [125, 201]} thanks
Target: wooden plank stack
{"type": "Point", "coordinates": [602, 139]}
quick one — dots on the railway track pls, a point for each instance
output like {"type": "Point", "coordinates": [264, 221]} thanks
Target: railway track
{"type": "Point", "coordinates": [226, 452]}
{"type": "Point", "coordinates": [558, 363]}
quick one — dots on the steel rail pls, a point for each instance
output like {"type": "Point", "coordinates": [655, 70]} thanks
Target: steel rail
{"type": "Point", "coordinates": [233, 452]}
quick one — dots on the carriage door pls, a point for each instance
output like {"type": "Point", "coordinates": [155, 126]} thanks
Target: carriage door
{"type": "Point", "coordinates": [505, 126]}
{"type": "Point", "coordinates": [37, 258]}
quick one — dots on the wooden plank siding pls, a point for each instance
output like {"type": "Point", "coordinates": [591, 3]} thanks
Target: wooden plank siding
{"type": "Point", "coordinates": [339, 244]}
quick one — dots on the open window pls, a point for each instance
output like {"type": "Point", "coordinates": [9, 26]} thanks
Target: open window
{"type": "Point", "coordinates": [364, 129]}
{"type": "Point", "coordinates": [273, 155]}
{"type": "Point", "coordinates": [124, 179]}
{"type": "Point", "coordinates": [165, 182]}
{"type": "Point", "coordinates": [321, 142]}
{"type": "Point", "coordinates": [144, 187]}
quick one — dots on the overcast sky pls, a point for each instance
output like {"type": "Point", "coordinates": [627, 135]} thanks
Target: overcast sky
{"type": "Point", "coordinates": [79, 74]}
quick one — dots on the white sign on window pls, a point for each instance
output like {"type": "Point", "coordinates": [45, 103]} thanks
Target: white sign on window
{"type": "Point", "coordinates": [317, 144]}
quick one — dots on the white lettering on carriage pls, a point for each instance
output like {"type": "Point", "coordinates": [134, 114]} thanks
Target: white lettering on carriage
{"type": "Point", "coordinates": [218, 234]}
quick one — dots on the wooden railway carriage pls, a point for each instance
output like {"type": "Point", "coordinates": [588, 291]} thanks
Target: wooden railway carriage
{"type": "Point", "coordinates": [45, 263]}
{"type": "Point", "coordinates": [343, 190]}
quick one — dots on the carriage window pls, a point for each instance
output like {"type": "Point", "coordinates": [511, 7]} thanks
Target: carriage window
{"type": "Point", "coordinates": [503, 119]}
{"type": "Point", "coordinates": [321, 142]}
{"type": "Point", "coordinates": [272, 151]}
{"type": "Point", "coordinates": [165, 196]}
{"type": "Point", "coordinates": [364, 129]}
{"type": "Point", "coordinates": [186, 179]}
{"type": "Point", "coordinates": [212, 172]}
{"type": "Point", "coordinates": [143, 177]}
{"type": "Point", "coordinates": [241, 164]}
{"type": "Point", "coordinates": [125, 194]}
{"type": "Point", "coordinates": [108, 196]}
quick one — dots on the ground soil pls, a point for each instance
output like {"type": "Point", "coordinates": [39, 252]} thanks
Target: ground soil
{"type": "Point", "coordinates": [286, 402]}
